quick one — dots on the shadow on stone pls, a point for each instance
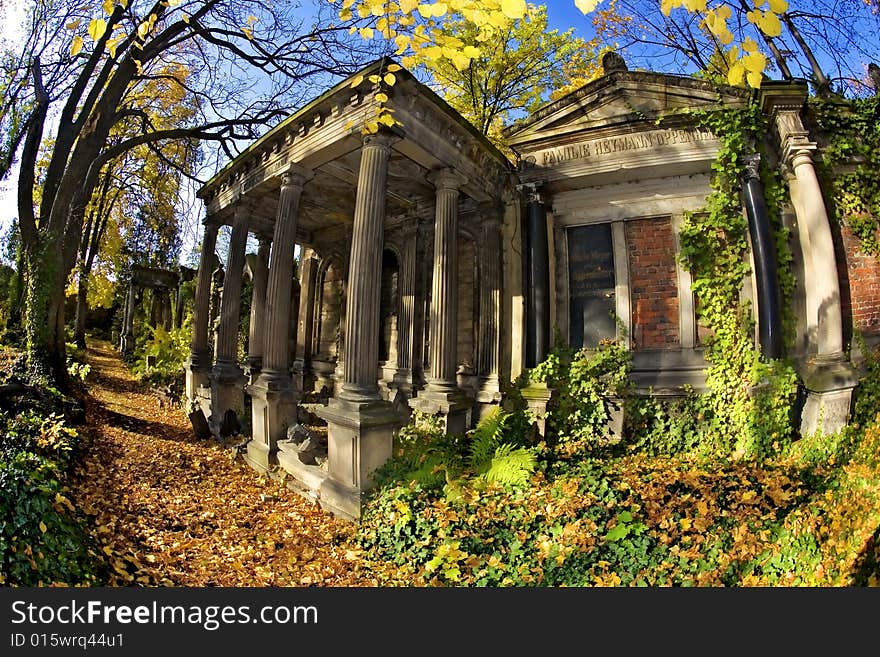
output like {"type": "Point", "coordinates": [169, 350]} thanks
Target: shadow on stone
{"type": "Point", "coordinates": [200, 424]}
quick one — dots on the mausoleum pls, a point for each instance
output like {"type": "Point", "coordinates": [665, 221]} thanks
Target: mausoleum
{"type": "Point", "coordinates": [433, 269]}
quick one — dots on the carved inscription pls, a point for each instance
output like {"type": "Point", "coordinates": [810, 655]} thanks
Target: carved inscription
{"type": "Point", "coordinates": [602, 148]}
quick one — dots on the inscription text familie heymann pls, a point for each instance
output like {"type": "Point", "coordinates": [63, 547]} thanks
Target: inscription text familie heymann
{"type": "Point", "coordinates": [620, 144]}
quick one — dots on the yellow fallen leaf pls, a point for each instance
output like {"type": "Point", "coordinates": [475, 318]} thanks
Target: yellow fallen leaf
{"type": "Point", "coordinates": [43, 527]}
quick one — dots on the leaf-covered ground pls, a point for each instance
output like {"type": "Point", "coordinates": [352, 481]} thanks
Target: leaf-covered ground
{"type": "Point", "coordinates": [171, 510]}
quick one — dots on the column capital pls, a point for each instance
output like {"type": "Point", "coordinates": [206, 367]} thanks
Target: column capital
{"type": "Point", "coordinates": [211, 223]}
{"type": "Point", "coordinates": [295, 175]}
{"type": "Point", "coordinates": [446, 178]}
{"type": "Point", "coordinates": [531, 192]}
{"type": "Point", "coordinates": [752, 166]}
{"type": "Point", "coordinates": [244, 206]}
{"type": "Point", "coordinates": [383, 139]}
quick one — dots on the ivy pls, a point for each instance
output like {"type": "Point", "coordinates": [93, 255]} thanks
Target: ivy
{"type": "Point", "coordinates": [749, 399]}
{"type": "Point", "coordinates": [850, 162]}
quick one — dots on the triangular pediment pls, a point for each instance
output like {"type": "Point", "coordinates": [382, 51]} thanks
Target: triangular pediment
{"type": "Point", "coordinates": [623, 102]}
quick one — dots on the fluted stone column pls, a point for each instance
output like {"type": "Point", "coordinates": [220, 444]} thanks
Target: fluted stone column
{"type": "Point", "coordinates": [360, 424]}
{"type": "Point", "coordinates": [406, 319]}
{"type": "Point", "coordinates": [199, 362]}
{"type": "Point", "coordinates": [365, 274]}
{"type": "Point", "coordinates": [489, 345]}
{"type": "Point", "coordinates": [258, 308]}
{"type": "Point", "coordinates": [272, 394]}
{"type": "Point", "coordinates": [302, 377]}
{"type": "Point", "coordinates": [127, 342]}
{"type": "Point", "coordinates": [227, 378]}
{"type": "Point", "coordinates": [442, 395]}
{"type": "Point", "coordinates": [827, 374]}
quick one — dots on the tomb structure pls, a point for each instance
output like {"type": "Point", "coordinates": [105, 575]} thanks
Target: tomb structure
{"type": "Point", "coordinates": [433, 269]}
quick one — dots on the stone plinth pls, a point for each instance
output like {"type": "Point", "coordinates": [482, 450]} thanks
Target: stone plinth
{"type": "Point", "coordinates": [454, 407]}
{"type": "Point", "coordinates": [537, 397]}
{"type": "Point", "coordinates": [829, 383]}
{"type": "Point", "coordinates": [227, 393]}
{"type": "Point", "coordinates": [273, 409]}
{"type": "Point", "coordinates": [197, 370]}
{"type": "Point", "coordinates": [359, 441]}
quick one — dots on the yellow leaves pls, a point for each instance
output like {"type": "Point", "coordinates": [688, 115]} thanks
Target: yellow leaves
{"type": "Point", "coordinates": [43, 527]}
{"type": "Point", "coordinates": [775, 6]}
{"type": "Point", "coordinates": [749, 67]}
{"type": "Point", "coordinates": [514, 9]}
{"type": "Point", "coordinates": [61, 499]}
{"type": "Point", "coordinates": [766, 21]}
{"type": "Point", "coordinates": [586, 6]}
{"type": "Point", "coordinates": [108, 6]}
{"type": "Point", "coordinates": [97, 27]}
{"type": "Point", "coordinates": [366, 33]}
{"type": "Point", "coordinates": [716, 22]}
{"type": "Point", "coordinates": [381, 97]}
{"type": "Point", "coordinates": [377, 7]}
{"type": "Point", "coordinates": [76, 45]}
{"type": "Point", "coordinates": [435, 10]}
{"type": "Point", "coordinates": [387, 120]}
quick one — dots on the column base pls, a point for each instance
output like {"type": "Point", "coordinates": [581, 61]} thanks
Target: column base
{"type": "Point", "coordinates": [227, 395]}
{"type": "Point", "coordinates": [359, 439]}
{"type": "Point", "coordinates": [488, 395]}
{"type": "Point", "coordinates": [537, 397]}
{"type": "Point", "coordinates": [273, 410]}
{"type": "Point", "coordinates": [197, 373]}
{"type": "Point", "coordinates": [829, 382]}
{"type": "Point", "coordinates": [303, 380]}
{"type": "Point", "coordinates": [454, 407]}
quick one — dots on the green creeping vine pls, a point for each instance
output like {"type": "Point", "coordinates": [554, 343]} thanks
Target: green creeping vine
{"type": "Point", "coordinates": [749, 400]}
{"type": "Point", "coordinates": [851, 163]}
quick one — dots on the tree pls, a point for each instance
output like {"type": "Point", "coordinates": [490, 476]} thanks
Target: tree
{"type": "Point", "coordinates": [515, 71]}
{"type": "Point", "coordinates": [77, 74]}
{"type": "Point", "coordinates": [136, 198]}
{"type": "Point", "coordinates": [689, 31]}
{"type": "Point", "coordinates": [840, 33]}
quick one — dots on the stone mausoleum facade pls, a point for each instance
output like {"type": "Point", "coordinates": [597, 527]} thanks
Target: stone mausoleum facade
{"type": "Point", "coordinates": [432, 270]}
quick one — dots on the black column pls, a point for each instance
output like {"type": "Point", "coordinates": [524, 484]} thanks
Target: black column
{"type": "Point", "coordinates": [537, 280]}
{"type": "Point", "coordinates": [766, 275]}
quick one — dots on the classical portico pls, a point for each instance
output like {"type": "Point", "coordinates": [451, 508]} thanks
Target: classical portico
{"type": "Point", "coordinates": [382, 315]}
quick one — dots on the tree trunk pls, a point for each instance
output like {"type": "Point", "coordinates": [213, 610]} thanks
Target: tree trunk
{"type": "Point", "coordinates": [44, 315]}
{"type": "Point", "coordinates": [82, 307]}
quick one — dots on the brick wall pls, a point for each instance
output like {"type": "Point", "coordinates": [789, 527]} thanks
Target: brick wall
{"type": "Point", "coordinates": [653, 284]}
{"type": "Point", "coordinates": [860, 278]}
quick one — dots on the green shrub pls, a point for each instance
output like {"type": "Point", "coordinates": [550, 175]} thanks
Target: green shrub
{"type": "Point", "coordinates": [168, 350]}
{"type": "Point", "coordinates": [43, 539]}
{"type": "Point", "coordinates": [583, 381]}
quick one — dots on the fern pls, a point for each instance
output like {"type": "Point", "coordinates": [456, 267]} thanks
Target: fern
{"type": "Point", "coordinates": [511, 466]}
{"type": "Point", "coordinates": [485, 439]}
{"type": "Point", "coordinates": [494, 459]}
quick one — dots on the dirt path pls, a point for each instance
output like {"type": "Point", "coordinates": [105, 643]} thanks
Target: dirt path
{"type": "Point", "coordinates": [175, 511]}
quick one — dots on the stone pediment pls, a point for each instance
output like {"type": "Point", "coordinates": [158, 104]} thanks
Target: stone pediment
{"type": "Point", "coordinates": [623, 99]}
{"type": "Point", "coordinates": [612, 125]}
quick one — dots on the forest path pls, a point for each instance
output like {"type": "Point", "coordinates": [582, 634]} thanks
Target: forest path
{"type": "Point", "coordinates": [172, 510]}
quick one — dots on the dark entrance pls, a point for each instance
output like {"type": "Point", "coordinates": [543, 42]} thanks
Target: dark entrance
{"type": "Point", "coordinates": [591, 285]}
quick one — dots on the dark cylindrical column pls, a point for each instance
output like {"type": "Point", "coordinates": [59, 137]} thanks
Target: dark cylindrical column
{"type": "Point", "coordinates": [766, 275]}
{"type": "Point", "coordinates": [537, 281]}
